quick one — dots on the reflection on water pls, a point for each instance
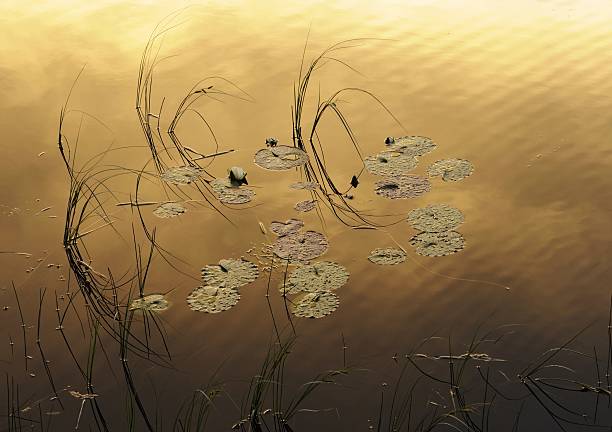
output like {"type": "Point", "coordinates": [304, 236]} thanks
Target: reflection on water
{"type": "Point", "coordinates": [522, 91]}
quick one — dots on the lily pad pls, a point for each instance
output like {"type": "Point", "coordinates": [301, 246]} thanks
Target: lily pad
{"type": "Point", "coordinates": [436, 244]}
{"type": "Point", "coordinates": [151, 302]}
{"type": "Point", "coordinates": [290, 226]}
{"type": "Point", "coordinates": [300, 247]}
{"type": "Point", "coordinates": [318, 276]}
{"type": "Point", "coordinates": [387, 256]}
{"type": "Point", "coordinates": [230, 273]}
{"type": "Point", "coordinates": [280, 158]}
{"type": "Point", "coordinates": [182, 175]}
{"type": "Point", "coordinates": [169, 210]}
{"type": "Point", "coordinates": [451, 169]}
{"type": "Point", "coordinates": [305, 206]}
{"type": "Point", "coordinates": [413, 145]}
{"type": "Point", "coordinates": [228, 193]}
{"type": "Point", "coordinates": [435, 218]}
{"type": "Point", "coordinates": [316, 305]}
{"type": "Point", "coordinates": [390, 163]}
{"type": "Point", "coordinates": [305, 185]}
{"type": "Point", "coordinates": [212, 299]}
{"type": "Point", "coordinates": [408, 186]}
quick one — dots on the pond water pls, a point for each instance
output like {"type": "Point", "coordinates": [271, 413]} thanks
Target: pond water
{"type": "Point", "coordinates": [521, 90]}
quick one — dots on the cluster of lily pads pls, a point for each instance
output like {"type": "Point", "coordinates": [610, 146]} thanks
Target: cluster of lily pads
{"type": "Point", "coordinates": [314, 283]}
{"type": "Point", "coordinates": [401, 156]}
{"type": "Point", "coordinates": [221, 284]}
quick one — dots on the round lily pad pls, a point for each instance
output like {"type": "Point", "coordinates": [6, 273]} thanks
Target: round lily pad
{"type": "Point", "coordinates": [387, 256]}
{"type": "Point", "coordinates": [300, 246]}
{"type": "Point", "coordinates": [230, 273]}
{"type": "Point", "coordinates": [280, 158]}
{"type": "Point", "coordinates": [169, 210]}
{"type": "Point", "coordinates": [451, 169]}
{"type": "Point", "coordinates": [435, 244]}
{"type": "Point", "coordinates": [182, 175]}
{"type": "Point", "coordinates": [305, 185]}
{"type": "Point", "coordinates": [288, 227]}
{"type": "Point", "coordinates": [435, 218]}
{"type": "Point", "coordinates": [212, 299]}
{"type": "Point", "coordinates": [408, 186]}
{"type": "Point", "coordinates": [316, 304]}
{"type": "Point", "coordinates": [413, 145]}
{"type": "Point", "coordinates": [151, 302]}
{"type": "Point", "coordinates": [305, 206]}
{"type": "Point", "coordinates": [318, 276]}
{"type": "Point", "coordinates": [228, 193]}
{"type": "Point", "coordinates": [390, 163]}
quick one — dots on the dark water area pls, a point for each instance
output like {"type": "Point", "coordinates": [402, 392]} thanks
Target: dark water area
{"type": "Point", "coordinates": [519, 317]}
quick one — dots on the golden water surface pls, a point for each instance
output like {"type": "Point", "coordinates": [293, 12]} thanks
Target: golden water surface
{"type": "Point", "coordinates": [522, 89]}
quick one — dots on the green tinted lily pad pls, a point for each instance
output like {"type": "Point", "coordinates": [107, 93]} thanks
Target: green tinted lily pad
{"type": "Point", "coordinates": [212, 299]}
{"type": "Point", "coordinates": [435, 218]}
{"type": "Point", "coordinates": [182, 175]}
{"type": "Point", "coordinates": [305, 206]}
{"type": "Point", "coordinates": [280, 158]}
{"type": "Point", "coordinates": [151, 302]}
{"type": "Point", "coordinates": [451, 169]}
{"type": "Point", "coordinates": [318, 276]}
{"type": "Point", "coordinates": [436, 244]}
{"type": "Point", "coordinates": [300, 247]}
{"type": "Point", "coordinates": [169, 210]}
{"type": "Point", "coordinates": [390, 163]}
{"type": "Point", "coordinates": [229, 193]}
{"type": "Point", "coordinates": [408, 186]}
{"type": "Point", "coordinates": [290, 226]}
{"type": "Point", "coordinates": [230, 273]}
{"type": "Point", "coordinates": [413, 145]}
{"type": "Point", "coordinates": [315, 305]}
{"type": "Point", "coordinates": [387, 256]}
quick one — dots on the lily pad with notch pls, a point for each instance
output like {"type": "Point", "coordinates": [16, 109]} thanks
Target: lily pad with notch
{"type": "Point", "coordinates": [300, 247]}
{"type": "Point", "coordinates": [318, 276]}
{"type": "Point", "coordinates": [230, 273]}
{"type": "Point", "coordinates": [451, 169]}
{"type": "Point", "coordinates": [408, 186]}
{"type": "Point", "coordinates": [387, 256]}
{"type": "Point", "coordinates": [435, 244]}
{"type": "Point", "coordinates": [435, 218]}
{"type": "Point", "coordinates": [280, 158]}
{"type": "Point", "coordinates": [212, 299]}
{"type": "Point", "coordinates": [315, 305]}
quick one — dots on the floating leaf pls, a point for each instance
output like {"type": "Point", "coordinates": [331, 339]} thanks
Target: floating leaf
{"type": "Point", "coordinates": [435, 218]}
{"type": "Point", "coordinates": [408, 186]}
{"type": "Point", "coordinates": [318, 276]}
{"type": "Point", "coordinates": [182, 175]}
{"type": "Point", "coordinates": [390, 163]}
{"type": "Point", "coordinates": [300, 247]}
{"type": "Point", "coordinates": [212, 299]}
{"type": "Point", "coordinates": [230, 273]}
{"type": "Point", "coordinates": [438, 243]}
{"type": "Point", "coordinates": [305, 185]}
{"type": "Point", "coordinates": [413, 145]}
{"type": "Point", "coordinates": [305, 206]}
{"type": "Point", "coordinates": [288, 227]}
{"type": "Point", "coordinates": [387, 256]}
{"type": "Point", "coordinates": [315, 305]}
{"type": "Point", "coordinates": [230, 194]}
{"type": "Point", "coordinates": [151, 302]}
{"type": "Point", "coordinates": [451, 169]}
{"type": "Point", "coordinates": [169, 210]}
{"type": "Point", "coordinates": [280, 158]}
